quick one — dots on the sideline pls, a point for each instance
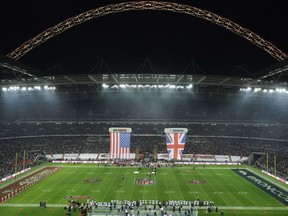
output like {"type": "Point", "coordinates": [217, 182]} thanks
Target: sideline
{"type": "Point", "coordinates": [219, 207]}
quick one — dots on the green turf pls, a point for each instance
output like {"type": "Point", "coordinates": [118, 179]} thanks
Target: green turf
{"type": "Point", "coordinates": [219, 184]}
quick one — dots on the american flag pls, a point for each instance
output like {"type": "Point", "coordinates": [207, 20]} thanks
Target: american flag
{"type": "Point", "coordinates": [120, 145]}
{"type": "Point", "coordinates": [175, 145]}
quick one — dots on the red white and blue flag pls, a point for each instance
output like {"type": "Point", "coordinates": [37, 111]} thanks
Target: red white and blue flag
{"type": "Point", "coordinates": [120, 144]}
{"type": "Point", "coordinates": [175, 142]}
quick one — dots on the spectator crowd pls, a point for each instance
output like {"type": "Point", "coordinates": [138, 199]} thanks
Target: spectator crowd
{"type": "Point", "coordinates": [79, 123]}
{"type": "Point", "coordinates": [43, 138]}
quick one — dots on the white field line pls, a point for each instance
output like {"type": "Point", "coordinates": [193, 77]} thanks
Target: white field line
{"type": "Point", "coordinates": [187, 185]}
{"type": "Point", "coordinates": [214, 190]}
{"type": "Point", "coordinates": [177, 184]}
{"type": "Point", "coordinates": [266, 177]}
{"type": "Point", "coordinates": [238, 200]}
{"type": "Point", "coordinates": [167, 186]}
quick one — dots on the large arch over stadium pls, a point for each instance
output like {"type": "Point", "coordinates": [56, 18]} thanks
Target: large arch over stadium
{"type": "Point", "coordinates": [148, 5]}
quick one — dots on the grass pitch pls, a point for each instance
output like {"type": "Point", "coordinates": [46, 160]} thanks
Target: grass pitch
{"type": "Point", "coordinates": [217, 184]}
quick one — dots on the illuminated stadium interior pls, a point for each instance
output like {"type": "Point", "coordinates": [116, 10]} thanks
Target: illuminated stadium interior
{"type": "Point", "coordinates": [212, 107]}
{"type": "Point", "coordinates": [54, 117]}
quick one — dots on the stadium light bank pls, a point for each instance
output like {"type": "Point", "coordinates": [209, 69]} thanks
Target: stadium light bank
{"type": "Point", "coordinates": [146, 86]}
{"type": "Point", "coordinates": [264, 90]}
{"type": "Point", "coordinates": [28, 88]}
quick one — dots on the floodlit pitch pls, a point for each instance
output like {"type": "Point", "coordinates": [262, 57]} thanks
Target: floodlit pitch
{"type": "Point", "coordinates": [225, 188]}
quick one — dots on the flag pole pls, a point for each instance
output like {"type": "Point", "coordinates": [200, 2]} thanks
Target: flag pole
{"type": "Point", "coordinates": [275, 165]}
{"type": "Point", "coordinates": [267, 162]}
{"type": "Point", "coordinates": [16, 159]}
{"type": "Point", "coordinates": [24, 159]}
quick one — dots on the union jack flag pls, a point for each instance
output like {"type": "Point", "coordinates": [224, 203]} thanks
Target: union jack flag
{"type": "Point", "coordinates": [175, 145]}
{"type": "Point", "coordinates": [120, 145]}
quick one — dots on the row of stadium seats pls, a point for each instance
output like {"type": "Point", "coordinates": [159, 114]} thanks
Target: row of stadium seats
{"type": "Point", "coordinates": [192, 107]}
{"type": "Point", "coordinates": [240, 129]}
{"type": "Point", "coordinates": [77, 145]}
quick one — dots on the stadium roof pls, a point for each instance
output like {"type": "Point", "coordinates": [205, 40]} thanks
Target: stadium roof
{"type": "Point", "coordinates": [217, 53]}
{"type": "Point", "coordinates": [14, 73]}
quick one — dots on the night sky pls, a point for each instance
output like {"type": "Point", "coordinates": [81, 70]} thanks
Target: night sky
{"type": "Point", "coordinates": [170, 41]}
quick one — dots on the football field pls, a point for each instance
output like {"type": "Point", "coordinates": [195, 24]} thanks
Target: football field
{"type": "Point", "coordinates": [227, 188]}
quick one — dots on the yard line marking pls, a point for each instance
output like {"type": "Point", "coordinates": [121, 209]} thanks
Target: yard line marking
{"type": "Point", "coordinates": [177, 184]}
{"type": "Point", "coordinates": [143, 191]}
{"type": "Point", "coordinates": [213, 190]}
{"type": "Point", "coordinates": [208, 185]}
{"type": "Point", "coordinates": [167, 186]}
{"type": "Point", "coordinates": [251, 200]}
{"type": "Point", "coordinates": [169, 192]}
{"type": "Point", "coordinates": [119, 191]}
{"type": "Point", "coordinates": [194, 192]}
{"type": "Point", "coordinates": [218, 192]}
{"type": "Point", "coordinates": [242, 192]}
{"type": "Point", "coordinates": [238, 200]}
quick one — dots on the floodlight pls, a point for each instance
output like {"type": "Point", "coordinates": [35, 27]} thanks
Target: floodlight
{"type": "Point", "coordinates": [280, 90]}
{"type": "Point", "coordinates": [37, 88]}
{"type": "Point", "coordinates": [105, 85]}
{"type": "Point", "coordinates": [13, 88]}
{"type": "Point", "coordinates": [189, 86]}
{"type": "Point", "coordinates": [49, 87]}
{"type": "Point", "coordinates": [4, 89]}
